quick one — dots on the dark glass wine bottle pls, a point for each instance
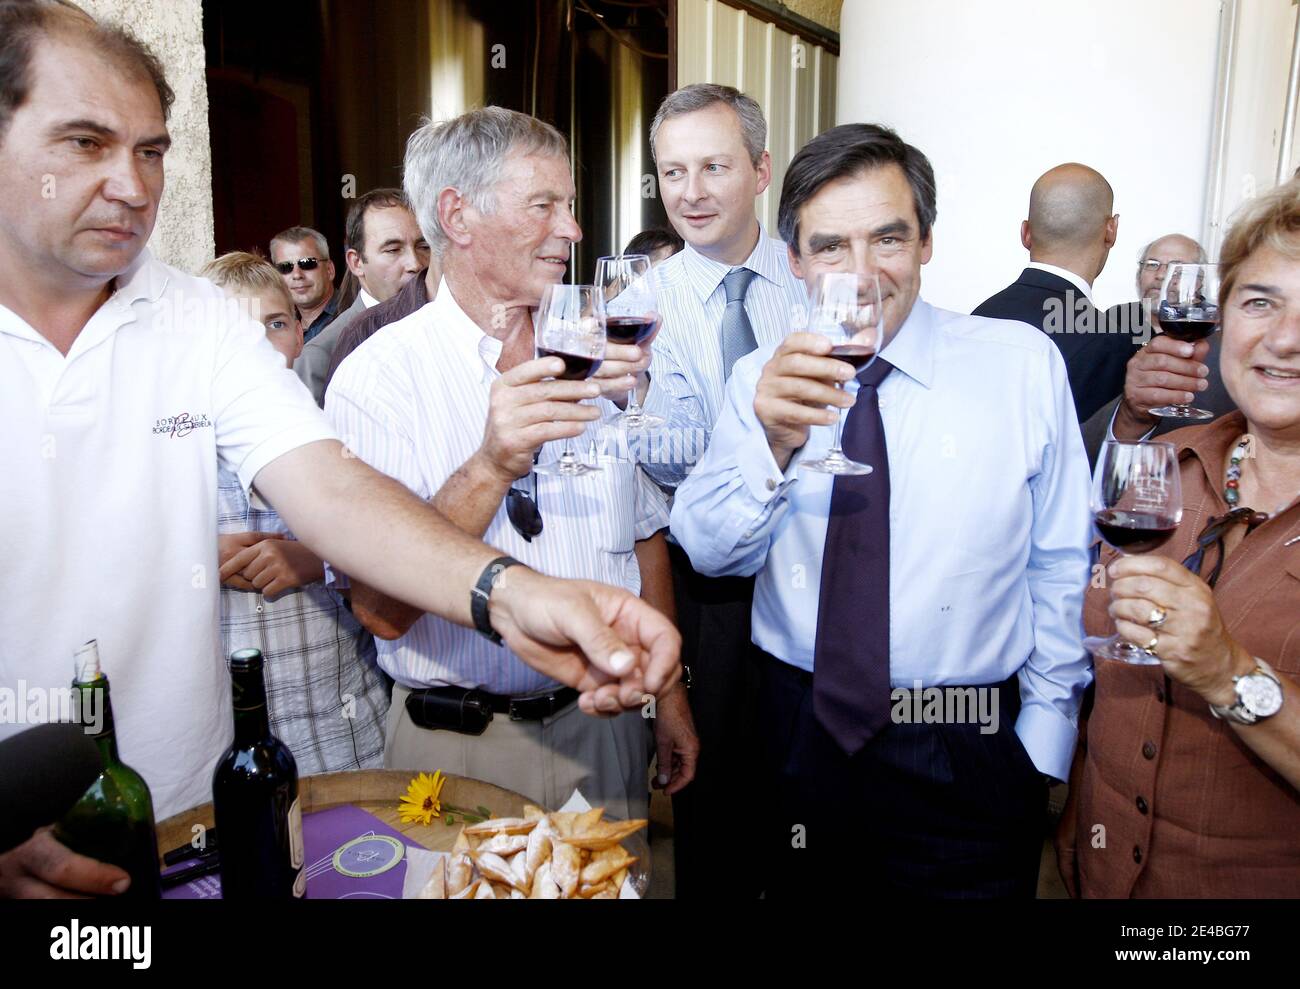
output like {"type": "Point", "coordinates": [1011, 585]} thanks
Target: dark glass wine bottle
{"type": "Point", "coordinates": [113, 821]}
{"type": "Point", "coordinates": [255, 798]}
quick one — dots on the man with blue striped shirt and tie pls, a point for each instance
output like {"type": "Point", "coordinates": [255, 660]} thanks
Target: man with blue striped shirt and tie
{"type": "Point", "coordinates": [917, 629]}
{"type": "Point", "coordinates": [728, 291]}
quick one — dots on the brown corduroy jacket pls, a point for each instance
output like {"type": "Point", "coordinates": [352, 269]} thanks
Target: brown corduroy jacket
{"type": "Point", "coordinates": [1170, 801]}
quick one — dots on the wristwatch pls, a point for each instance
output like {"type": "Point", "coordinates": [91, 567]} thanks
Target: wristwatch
{"type": "Point", "coordinates": [482, 594]}
{"type": "Point", "coordinates": [1259, 696]}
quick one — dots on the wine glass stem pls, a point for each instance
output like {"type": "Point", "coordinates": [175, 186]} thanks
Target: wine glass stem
{"type": "Point", "coordinates": [839, 429]}
{"type": "Point", "coordinates": [633, 406]}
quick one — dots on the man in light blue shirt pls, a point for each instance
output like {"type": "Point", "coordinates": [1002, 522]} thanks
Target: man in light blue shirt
{"type": "Point", "coordinates": [981, 503]}
{"type": "Point", "coordinates": [729, 290]}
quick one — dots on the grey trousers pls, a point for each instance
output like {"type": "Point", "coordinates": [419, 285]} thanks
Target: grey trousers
{"type": "Point", "coordinates": [606, 758]}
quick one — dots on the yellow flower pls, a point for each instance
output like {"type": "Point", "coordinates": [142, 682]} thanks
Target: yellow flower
{"type": "Point", "coordinates": [421, 801]}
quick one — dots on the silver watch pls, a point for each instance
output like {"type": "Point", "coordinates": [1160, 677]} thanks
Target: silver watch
{"type": "Point", "coordinates": [1259, 696]}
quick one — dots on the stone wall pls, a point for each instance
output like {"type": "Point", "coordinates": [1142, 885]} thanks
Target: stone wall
{"type": "Point", "coordinates": [174, 30]}
{"type": "Point", "coordinates": [823, 12]}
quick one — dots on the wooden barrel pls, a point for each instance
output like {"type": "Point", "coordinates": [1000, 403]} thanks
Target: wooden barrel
{"type": "Point", "coordinates": [376, 791]}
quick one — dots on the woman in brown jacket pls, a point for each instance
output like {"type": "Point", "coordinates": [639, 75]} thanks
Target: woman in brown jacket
{"type": "Point", "coordinates": [1169, 798]}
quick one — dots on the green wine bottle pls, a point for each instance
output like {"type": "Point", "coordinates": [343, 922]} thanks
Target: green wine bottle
{"type": "Point", "coordinates": [113, 821]}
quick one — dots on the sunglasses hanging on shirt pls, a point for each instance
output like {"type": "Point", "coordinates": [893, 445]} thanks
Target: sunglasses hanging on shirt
{"type": "Point", "coordinates": [523, 508]}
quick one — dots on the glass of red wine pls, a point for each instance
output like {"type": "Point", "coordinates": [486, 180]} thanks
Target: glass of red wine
{"type": "Point", "coordinates": [632, 312]}
{"type": "Point", "coordinates": [1137, 503]}
{"type": "Point", "coordinates": [570, 324]}
{"type": "Point", "coordinates": [845, 306]}
{"type": "Point", "coordinates": [1188, 310]}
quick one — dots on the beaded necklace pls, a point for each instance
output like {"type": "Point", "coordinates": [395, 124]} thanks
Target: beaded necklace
{"type": "Point", "coordinates": [1232, 478]}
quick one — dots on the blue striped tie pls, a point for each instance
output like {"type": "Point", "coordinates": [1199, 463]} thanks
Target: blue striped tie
{"type": "Point", "coordinates": [737, 335]}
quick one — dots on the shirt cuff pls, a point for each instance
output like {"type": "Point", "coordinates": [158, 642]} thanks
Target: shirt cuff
{"type": "Point", "coordinates": [764, 480]}
{"type": "Point", "coordinates": [336, 579]}
{"type": "Point", "coordinates": [1049, 738]}
{"type": "Point", "coordinates": [1110, 426]}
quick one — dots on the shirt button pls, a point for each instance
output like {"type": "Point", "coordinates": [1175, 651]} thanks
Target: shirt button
{"type": "Point", "coordinates": [771, 484]}
{"type": "Point", "coordinates": [1137, 854]}
{"type": "Point", "coordinates": [1148, 750]}
{"type": "Point", "coordinates": [1142, 805]}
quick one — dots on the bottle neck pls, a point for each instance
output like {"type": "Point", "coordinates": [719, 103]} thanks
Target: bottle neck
{"type": "Point", "coordinates": [252, 723]}
{"type": "Point", "coordinates": [96, 709]}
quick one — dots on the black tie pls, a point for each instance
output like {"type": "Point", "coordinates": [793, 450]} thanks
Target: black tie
{"type": "Point", "coordinates": [851, 658]}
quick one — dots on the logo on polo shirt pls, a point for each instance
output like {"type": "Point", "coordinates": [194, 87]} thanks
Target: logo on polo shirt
{"type": "Point", "coordinates": [181, 425]}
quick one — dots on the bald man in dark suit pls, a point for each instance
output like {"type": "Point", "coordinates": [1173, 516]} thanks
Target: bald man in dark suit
{"type": "Point", "coordinates": [1069, 233]}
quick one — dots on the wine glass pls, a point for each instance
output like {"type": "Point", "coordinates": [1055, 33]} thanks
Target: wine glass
{"type": "Point", "coordinates": [631, 307]}
{"type": "Point", "coordinates": [1137, 503]}
{"type": "Point", "coordinates": [1188, 309]}
{"type": "Point", "coordinates": [571, 325]}
{"type": "Point", "coordinates": [845, 307]}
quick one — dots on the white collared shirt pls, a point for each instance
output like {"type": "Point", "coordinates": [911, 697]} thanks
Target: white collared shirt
{"type": "Point", "coordinates": [1084, 288]}
{"type": "Point", "coordinates": [412, 401]}
{"type": "Point", "coordinates": [367, 300]}
{"type": "Point", "coordinates": [110, 491]}
{"type": "Point", "coordinates": [687, 384]}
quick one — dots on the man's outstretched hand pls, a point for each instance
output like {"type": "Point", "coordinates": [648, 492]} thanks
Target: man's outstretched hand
{"type": "Point", "coordinates": [602, 640]}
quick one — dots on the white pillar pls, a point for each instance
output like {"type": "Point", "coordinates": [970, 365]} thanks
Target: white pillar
{"type": "Point", "coordinates": [998, 91]}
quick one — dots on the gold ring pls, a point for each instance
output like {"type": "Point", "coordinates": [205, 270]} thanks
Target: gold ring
{"type": "Point", "coordinates": [1151, 646]}
{"type": "Point", "coordinates": [1158, 616]}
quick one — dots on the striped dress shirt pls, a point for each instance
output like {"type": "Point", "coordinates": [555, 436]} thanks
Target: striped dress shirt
{"type": "Point", "coordinates": [686, 372]}
{"type": "Point", "coordinates": [412, 402]}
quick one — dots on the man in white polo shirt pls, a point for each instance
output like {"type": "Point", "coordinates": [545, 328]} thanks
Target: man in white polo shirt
{"type": "Point", "coordinates": [122, 384]}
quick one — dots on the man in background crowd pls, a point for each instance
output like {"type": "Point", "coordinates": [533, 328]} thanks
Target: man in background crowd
{"type": "Point", "coordinates": [656, 243]}
{"type": "Point", "coordinates": [302, 256]}
{"type": "Point", "coordinates": [1069, 234]}
{"type": "Point", "coordinates": [384, 250]}
{"type": "Point", "coordinates": [1166, 371]}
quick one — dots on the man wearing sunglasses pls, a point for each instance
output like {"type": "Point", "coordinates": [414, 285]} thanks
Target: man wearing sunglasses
{"type": "Point", "coordinates": [302, 256]}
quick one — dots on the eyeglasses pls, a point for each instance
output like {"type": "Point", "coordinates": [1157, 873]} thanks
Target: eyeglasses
{"type": "Point", "coordinates": [523, 508]}
{"type": "Point", "coordinates": [1213, 534]}
{"type": "Point", "coordinates": [304, 264]}
{"type": "Point", "coordinates": [1154, 266]}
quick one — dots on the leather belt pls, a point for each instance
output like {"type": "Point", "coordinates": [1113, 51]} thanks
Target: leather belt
{"type": "Point", "coordinates": [533, 708]}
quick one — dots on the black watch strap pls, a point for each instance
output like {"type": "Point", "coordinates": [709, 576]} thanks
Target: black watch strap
{"type": "Point", "coordinates": [482, 594]}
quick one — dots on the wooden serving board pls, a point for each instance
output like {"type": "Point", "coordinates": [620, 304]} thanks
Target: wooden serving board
{"type": "Point", "coordinates": [376, 791]}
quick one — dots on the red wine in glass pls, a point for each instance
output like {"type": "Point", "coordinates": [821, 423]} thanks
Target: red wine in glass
{"type": "Point", "coordinates": [1135, 532]}
{"type": "Point", "coordinates": [1187, 324]}
{"type": "Point", "coordinates": [1188, 310]}
{"type": "Point", "coordinates": [628, 329]}
{"type": "Point", "coordinates": [855, 354]}
{"type": "Point", "coordinates": [1136, 503]}
{"type": "Point", "coordinates": [576, 366]}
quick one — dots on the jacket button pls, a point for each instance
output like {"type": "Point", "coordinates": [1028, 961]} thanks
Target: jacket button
{"type": "Point", "coordinates": [1142, 805]}
{"type": "Point", "coordinates": [1137, 853]}
{"type": "Point", "coordinates": [1148, 750]}
{"type": "Point", "coordinates": [1160, 696]}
